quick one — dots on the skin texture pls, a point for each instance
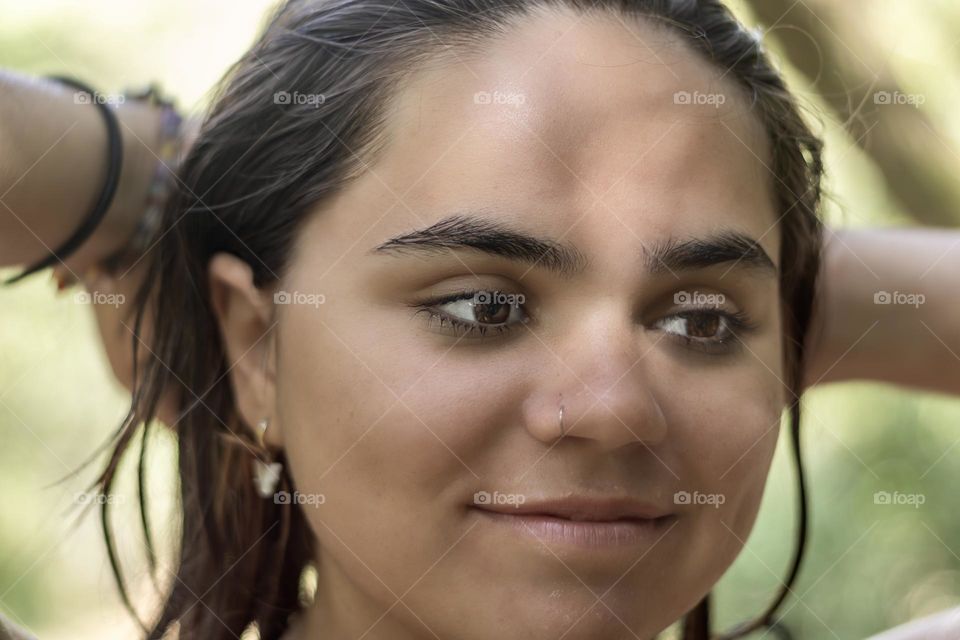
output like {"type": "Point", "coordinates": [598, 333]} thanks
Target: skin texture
{"type": "Point", "coordinates": [398, 423]}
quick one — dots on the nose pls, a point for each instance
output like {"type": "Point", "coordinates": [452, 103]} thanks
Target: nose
{"type": "Point", "coordinates": [605, 388]}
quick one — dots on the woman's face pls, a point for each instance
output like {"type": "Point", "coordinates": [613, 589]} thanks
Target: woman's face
{"type": "Point", "coordinates": [571, 139]}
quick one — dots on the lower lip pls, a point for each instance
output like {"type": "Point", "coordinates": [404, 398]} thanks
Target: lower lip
{"type": "Point", "coordinates": [585, 534]}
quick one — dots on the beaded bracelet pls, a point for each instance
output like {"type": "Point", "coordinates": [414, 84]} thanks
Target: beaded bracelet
{"type": "Point", "coordinates": [168, 149]}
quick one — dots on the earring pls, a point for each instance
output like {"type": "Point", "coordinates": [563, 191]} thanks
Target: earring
{"type": "Point", "coordinates": [266, 475]}
{"type": "Point", "coordinates": [561, 420]}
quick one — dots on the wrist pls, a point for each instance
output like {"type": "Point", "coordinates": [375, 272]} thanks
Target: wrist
{"type": "Point", "coordinates": [140, 131]}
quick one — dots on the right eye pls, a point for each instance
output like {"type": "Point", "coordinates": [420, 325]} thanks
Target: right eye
{"type": "Point", "coordinates": [473, 313]}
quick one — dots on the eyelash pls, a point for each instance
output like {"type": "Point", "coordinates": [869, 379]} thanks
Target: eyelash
{"type": "Point", "coordinates": [737, 323]}
{"type": "Point", "coordinates": [439, 319]}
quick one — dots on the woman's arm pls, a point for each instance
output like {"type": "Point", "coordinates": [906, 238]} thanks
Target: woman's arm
{"type": "Point", "coordinates": [53, 163]}
{"type": "Point", "coordinates": [889, 309]}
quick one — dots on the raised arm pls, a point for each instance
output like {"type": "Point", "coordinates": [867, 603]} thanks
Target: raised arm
{"type": "Point", "coordinates": [889, 309]}
{"type": "Point", "coordinates": [53, 162]}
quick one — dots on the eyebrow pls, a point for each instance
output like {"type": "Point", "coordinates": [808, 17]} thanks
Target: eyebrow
{"type": "Point", "coordinates": [491, 237]}
{"type": "Point", "coordinates": [499, 239]}
{"type": "Point", "coordinates": [699, 253]}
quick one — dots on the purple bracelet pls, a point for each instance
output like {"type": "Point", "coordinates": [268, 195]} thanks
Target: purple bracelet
{"type": "Point", "coordinates": [163, 174]}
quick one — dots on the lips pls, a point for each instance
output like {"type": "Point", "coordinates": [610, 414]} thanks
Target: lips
{"type": "Point", "coordinates": [590, 525]}
{"type": "Point", "coordinates": [583, 509]}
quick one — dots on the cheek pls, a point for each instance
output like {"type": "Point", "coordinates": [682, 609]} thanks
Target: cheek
{"type": "Point", "coordinates": [383, 428]}
{"type": "Point", "coordinates": [723, 441]}
{"type": "Point", "coordinates": [728, 429]}
{"type": "Point", "coordinates": [728, 449]}
{"type": "Point", "coordinates": [726, 435]}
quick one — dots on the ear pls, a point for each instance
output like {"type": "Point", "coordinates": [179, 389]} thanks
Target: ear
{"type": "Point", "coordinates": [244, 316]}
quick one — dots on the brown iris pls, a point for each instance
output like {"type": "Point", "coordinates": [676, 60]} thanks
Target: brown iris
{"type": "Point", "coordinates": [703, 325]}
{"type": "Point", "coordinates": [491, 313]}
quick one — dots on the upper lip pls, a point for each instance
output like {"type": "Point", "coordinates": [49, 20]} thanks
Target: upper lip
{"type": "Point", "coordinates": [583, 508]}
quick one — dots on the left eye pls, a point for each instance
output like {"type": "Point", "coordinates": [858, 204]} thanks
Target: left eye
{"type": "Point", "coordinates": [705, 329]}
{"type": "Point", "coordinates": [697, 325]}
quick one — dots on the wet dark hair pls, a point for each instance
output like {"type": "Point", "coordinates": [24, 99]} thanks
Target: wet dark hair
{"type": "Point", "coordinates": [253, 176]}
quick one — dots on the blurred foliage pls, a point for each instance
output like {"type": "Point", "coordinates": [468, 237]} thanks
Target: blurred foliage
{"type": "Point", "coordinates": [869, 566]}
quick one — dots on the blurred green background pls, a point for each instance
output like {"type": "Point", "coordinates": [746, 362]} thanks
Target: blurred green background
{"type": "Point", "coordinates": [868, 567]}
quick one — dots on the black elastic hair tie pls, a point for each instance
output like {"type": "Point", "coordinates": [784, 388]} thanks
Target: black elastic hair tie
{"type": "Point", "coordinates": [99, 210]}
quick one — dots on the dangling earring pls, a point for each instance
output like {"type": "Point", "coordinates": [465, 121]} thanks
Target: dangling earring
{"type": "Point", "coordinates": [266, 475]}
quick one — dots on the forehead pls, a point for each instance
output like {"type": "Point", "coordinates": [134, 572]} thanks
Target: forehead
{"type": "Point", "coordinates": [604, 128]}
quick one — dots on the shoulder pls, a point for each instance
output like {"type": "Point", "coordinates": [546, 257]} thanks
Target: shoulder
{"type": "Point", "coordinates": [944, 625]}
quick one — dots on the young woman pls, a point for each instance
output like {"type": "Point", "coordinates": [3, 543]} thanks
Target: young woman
{"type": "Point", "coordinates": [499, 304]}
